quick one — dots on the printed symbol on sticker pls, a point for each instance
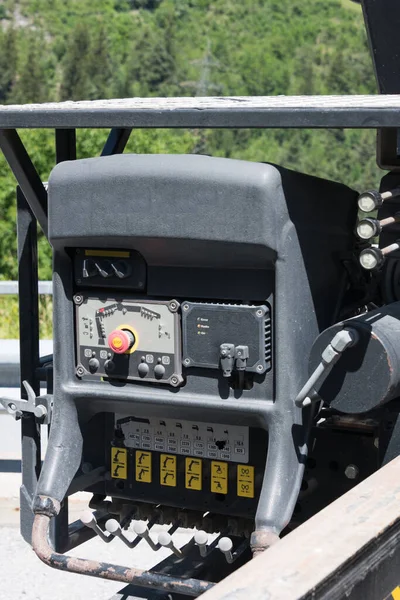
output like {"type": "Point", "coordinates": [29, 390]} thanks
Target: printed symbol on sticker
{"type": "Point", "coordinates": [116, 470]}
{"type": "Point", "coordinates": [117, 454]}
{"type": "Point", "coordinates": [168, 470]}
{"type": "Point", "coordinates": [245, 481]}
{"type": "Point", "coordinates": [219, 477]}
{"type": "Point", "coordinates": [193, 478]}
{"type": "Point", "coordinates": [193, 474]}
{"type": "Point", "coordinates": [143, 466]}
{"type": "Point", "coordinates": [119, 463]}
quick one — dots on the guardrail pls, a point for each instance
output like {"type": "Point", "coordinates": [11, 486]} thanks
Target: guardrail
{"type": "Point", "coordinates": [11, 287]}
{"type": "Point", "coordinates": [9, 349]}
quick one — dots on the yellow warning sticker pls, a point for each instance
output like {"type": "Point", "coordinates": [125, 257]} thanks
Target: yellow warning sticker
{"type": "Point", "coordinates": [245, 481]}
{"type": "Point", "coordinates": [168, 470]}
{"type": "Point", "coordinates": [119, 463]}
{"type": "Point", "coordinates": [219, 477]}
{"type": "Point", "coordinates": [395, 593]}
{"type": "Point", "coordinates": [193, 473]}
{"type": "Point", "coordinates": [143, 466]}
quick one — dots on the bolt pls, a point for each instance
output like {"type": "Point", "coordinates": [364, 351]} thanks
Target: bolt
{"type": "Point", "coordinates": [174, 380]}
{"type": "Point", "coordinates": [78, 299]}
{"type": "Point", "coordinates": [173, 306]}
{"type": "Point", "coordinates": [80, 371]}
{"type": "Point", "coordinates": [12, 406]}
{"type": "Point", "coordinates": [260, 368]}
{"type": "Point", "coordinates": [351, 472]}
{"type": "Point", "coordinates": [186, 361]}
{"type": "Point", "coordinates": [185, 307]}
{"type": "Point", "coordinates": [40, 411]}
{"type": "Point", "coordinates": [260, 313]}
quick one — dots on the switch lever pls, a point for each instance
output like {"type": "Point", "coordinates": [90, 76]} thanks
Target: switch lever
{"type": "Point", "coordinates": [141, 529]}
{"type": "Point", "coordinates": [88, 519]}
{"type": "Point", "coordinates": [165, 540]}
{"type": "Point", "coordinates": [114, 529]}
{"type": "Point", "coordinates": [225, 545]}
{"type": "Point", "coordinates": [201, 540]}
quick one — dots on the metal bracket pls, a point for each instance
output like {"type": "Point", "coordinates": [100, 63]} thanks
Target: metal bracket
{"type": "Point", "coordinates": [40, 406]}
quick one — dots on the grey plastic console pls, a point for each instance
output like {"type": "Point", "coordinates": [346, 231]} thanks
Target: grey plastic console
{"type": "Point", "coordinates": [214, 230]}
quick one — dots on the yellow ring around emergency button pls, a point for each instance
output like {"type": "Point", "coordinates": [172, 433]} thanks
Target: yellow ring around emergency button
{"type": "Point", "coordinates": [135, 334]}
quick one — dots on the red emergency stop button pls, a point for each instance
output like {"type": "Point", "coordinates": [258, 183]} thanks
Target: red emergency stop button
{"type": "Point", "coordinates": [121, 340]}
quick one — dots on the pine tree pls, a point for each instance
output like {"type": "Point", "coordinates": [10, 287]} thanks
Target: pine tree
{"type": "Point", "coordinates": [8, 62]}
{"type": "Point", "coordinates": [31, 84]}
{"type": "Point", "coordinates": [99, 68]}
{"type": "Point", "coordinates": [75, 83]}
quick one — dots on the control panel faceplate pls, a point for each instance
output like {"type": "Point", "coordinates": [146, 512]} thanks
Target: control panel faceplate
{"type": "Point", "coordinates": [128, 339]}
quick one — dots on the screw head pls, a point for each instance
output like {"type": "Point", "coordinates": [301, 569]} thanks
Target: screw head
{"type": "Point", "coordinates": [260, 368]}
{"type": "Point", "coordinates": [186, 361]}
{"type": "Point", "coordinates": [173, 306]}
{"type": "Point", "coordinates": [185, 307]}
{"type": "Point", "coordinates": [80, 371]}
{"type": "Point", "coordinates": [78, 299]}
{"type": "Point", "coordinates": [260, 313]}
{"type": "Point", "coordinates": [351, 471]}
{"type": "Point", "coordinates": [174, 380]}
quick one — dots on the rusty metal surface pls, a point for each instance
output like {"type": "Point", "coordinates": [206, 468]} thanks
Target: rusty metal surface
{"type": "Point", "coordinates": [190, 587]}
{"type": "Point", "coordinates": [301, 562]}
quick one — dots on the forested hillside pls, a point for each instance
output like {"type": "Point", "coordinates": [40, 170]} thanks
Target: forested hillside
{"type": "Point", "coordinates": [85, 49]}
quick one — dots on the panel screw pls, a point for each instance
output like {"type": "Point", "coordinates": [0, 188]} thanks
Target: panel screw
{"type": "Point", "coordinates": [80, 371]}
{"type": "Point", "coordinates": [173, 306]}
{"type": "Point", "coordinates": [185, 307]}
{"type": "Point", "coordinates": [260, 368]}
{"type": "Point", "coordinates": [260, 312]}
{"type": "Point", "coordinates": [174, 380]}
{"type": "Point", "coordinates": [140, 284]}
{"type": "Point", "coordinates": [351, 472]}
{"type": "Point", "coordinates": [186, 361]}
{"type": "Point", "coordinates": [78, 299]}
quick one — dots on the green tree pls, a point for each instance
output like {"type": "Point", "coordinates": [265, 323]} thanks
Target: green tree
{"type": "Point", "coordinates": [8, 61]}
{"type": "Point", "coordinates": [75, 83]}
{"type": "Point", "coordinates": [99, 68]}
{"type": "Point", "coordinates": [31, 83]}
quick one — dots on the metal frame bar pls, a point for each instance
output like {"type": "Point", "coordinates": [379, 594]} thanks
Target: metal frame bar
{"type": "Point", "coordinates": [116, 141]}
{"type": "Point", "coordinates": [25, 174]}
{"type": "Point", "coordinates": [367, 112]}
{"type": "Point", "coordinates": [29, 355]}
{"type": "Point", "coordinates": [65, 144]}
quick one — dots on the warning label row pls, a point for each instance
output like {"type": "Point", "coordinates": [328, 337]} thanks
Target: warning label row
{"type": "Point", "coordinates": [193, 472]}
